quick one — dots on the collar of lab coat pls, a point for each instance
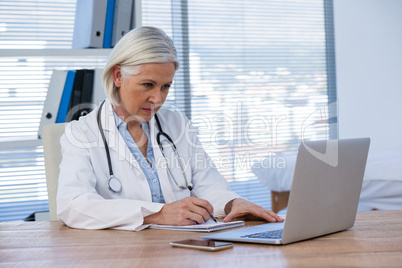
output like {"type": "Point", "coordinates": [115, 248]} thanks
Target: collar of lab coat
{"type": "Point", "coordinates": [116, 143]}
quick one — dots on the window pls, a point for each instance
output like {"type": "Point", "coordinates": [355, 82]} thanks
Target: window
{"type": "Point", "coordinates": [256, 78]}
{"type": "Point", "coordinates": [253, 73]}
{"type": "Point", "coordinates": [28, 30]}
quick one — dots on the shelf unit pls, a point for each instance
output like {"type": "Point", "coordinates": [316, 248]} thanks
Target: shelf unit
{"type": "Point", "coordinates": [45, 53]}
{"type": "Point", "coordinates": [32, 53]}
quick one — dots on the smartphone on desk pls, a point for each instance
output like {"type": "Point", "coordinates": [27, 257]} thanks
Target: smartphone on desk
{"type": "Point", "coordinates": [208, 245]}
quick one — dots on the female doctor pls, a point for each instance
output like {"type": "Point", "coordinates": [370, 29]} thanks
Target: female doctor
{"type": "Point", "coordinates": [119, 165]}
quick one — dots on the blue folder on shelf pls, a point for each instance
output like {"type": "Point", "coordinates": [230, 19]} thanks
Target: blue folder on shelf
{"type": "Point", "coordinates": [65, 98]}
{"type": "Point", "coordinates": [107, 40]}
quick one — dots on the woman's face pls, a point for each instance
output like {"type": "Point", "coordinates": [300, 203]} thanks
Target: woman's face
{"type": "Point", "coordinates": [142, 95]}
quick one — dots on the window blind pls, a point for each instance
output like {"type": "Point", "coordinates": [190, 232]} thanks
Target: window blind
{"type": "Point", "coordinates": [259, 78]}
{"type": "Point", "coordinates": [252, 75]}
{"type": "Point", "coordinates": [26, 27]}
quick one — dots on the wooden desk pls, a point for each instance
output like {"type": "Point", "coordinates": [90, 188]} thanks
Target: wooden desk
{"type": "Point", "coordinates": [375, 240]}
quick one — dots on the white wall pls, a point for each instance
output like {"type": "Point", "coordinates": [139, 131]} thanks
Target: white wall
{"type": "Point", "coordinates": [368, 42]}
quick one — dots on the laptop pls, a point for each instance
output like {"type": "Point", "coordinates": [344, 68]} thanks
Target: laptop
{"type": "Point", "coordinates": [324, 195]}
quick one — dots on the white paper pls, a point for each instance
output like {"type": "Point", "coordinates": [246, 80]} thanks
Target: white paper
{"type": "Point", "coordinates": [208, 226]}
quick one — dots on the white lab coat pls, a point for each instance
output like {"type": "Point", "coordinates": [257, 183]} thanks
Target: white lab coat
{"type": "Point", "coordinates": [83, 198]}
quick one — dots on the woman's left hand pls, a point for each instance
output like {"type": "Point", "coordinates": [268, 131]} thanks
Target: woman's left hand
{"type": "Point", "coordinates": [241, 208]}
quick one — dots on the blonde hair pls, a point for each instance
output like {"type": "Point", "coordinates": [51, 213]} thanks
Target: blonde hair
{"type": "Point", "coordinates": [141, 45]}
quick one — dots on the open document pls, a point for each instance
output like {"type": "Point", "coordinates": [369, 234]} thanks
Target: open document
{"type": "Point", "coordinates": [209, 226]}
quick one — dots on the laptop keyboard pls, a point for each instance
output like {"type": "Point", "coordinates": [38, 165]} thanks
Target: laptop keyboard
{"type": "Point", "coordinates": [276, 234]}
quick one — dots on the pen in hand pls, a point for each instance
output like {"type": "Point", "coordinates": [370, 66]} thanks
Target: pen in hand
{"type": "Point", "coordinates": [195, 195]}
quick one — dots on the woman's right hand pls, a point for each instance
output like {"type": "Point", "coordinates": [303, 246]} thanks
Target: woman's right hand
{"type": "Point", "coordinates": [188, 211]}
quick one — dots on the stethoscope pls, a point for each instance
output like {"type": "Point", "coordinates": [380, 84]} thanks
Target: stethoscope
{"type": "Point", "coordinates": [114, 183]}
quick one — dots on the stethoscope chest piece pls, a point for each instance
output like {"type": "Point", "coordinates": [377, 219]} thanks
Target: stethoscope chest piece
{"type": "Point", "coordinates": [114, 184]}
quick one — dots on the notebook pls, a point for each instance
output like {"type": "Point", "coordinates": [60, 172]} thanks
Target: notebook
{"type": "Point", "coordinates": [208, 226]}
{"type": "Point", "coordinates": [324, 195]}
